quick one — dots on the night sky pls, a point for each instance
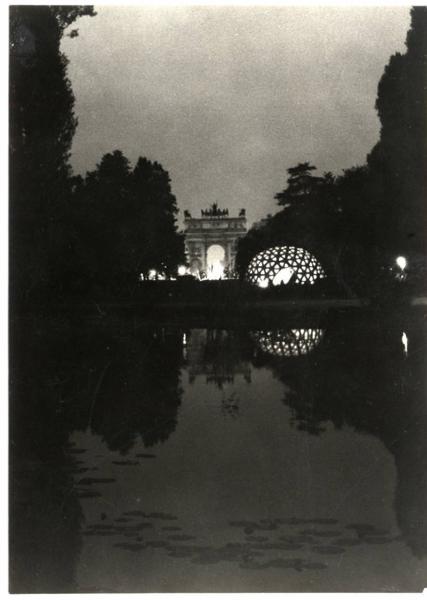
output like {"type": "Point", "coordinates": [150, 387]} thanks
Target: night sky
{"type": "Point", "coordinates": [227, 99]}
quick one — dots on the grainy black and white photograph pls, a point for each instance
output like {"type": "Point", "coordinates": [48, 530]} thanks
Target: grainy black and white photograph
{"type": "Point", "coordinates": [217, 298]}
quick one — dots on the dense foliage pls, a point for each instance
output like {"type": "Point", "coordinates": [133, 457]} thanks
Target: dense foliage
{"type": "Point", "coordinates": [127, 225]}
{"type": "Point", "coordinates": [398, 162]}
{"type": "Point", "coordinates": [42, 124]}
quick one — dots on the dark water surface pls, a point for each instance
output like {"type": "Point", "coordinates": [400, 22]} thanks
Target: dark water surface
{"type": "Point", "coordinates": [152, 457]}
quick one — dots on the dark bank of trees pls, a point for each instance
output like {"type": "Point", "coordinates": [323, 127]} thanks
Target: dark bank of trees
{"type": "Point", "coordinates": [359, 222]}
{"type": "Point", "coordinates": [71, 236]}
{"type": "Point", "coordinates": [42, 125]}
{"type": "Point", "coordinates": [125, 223]}
{"type": "Point", "coordinates": [398, 162]}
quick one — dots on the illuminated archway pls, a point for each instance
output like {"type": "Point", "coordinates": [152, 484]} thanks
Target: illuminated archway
{"type": "Point", "coordinates": [282, 265]}
{"type": "Point", "coordinates": [215, 260]}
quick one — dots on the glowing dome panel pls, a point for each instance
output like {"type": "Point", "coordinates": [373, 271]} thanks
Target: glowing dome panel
{"type": "Point", "coordinates": [284, 264]}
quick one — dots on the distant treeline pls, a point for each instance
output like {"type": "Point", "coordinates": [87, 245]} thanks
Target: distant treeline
{"type": "Point", "coordinates": [357, 223]}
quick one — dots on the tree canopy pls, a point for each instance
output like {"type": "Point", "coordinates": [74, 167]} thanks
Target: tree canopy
{"type": "Point", "coordinates": [398, 161]}
{"type": "Point", "coordinates": [301, 185]}
{"type": "Point", "coordinates": [127, 222]}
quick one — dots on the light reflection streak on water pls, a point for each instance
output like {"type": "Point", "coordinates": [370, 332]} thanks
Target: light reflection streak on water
{"type": "Point", "coordinates": [405, 343]}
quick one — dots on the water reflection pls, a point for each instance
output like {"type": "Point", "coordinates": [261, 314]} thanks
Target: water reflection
{"type": "Point", "coordinates": [405, 343]}
{"type": "Point", "coordinates": [361, 380]}
{"type": "Point", "coordinates": [136, 396]}
{"type": "Point", "coordinates": [120, 448]}
{"type": "Point", "coordinates": [288, 343]}
{"type": "Point", "coordinates": [215, 354]}
{"type": "Point", "coordinates": [65, 377]}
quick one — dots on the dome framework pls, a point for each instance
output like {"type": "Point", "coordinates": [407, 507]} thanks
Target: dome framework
{"type": "Point", "coordinates": [283, 265]}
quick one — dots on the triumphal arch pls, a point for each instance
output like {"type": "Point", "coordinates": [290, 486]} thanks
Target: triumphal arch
{"type": "Point", "coordinates": [211, 241]}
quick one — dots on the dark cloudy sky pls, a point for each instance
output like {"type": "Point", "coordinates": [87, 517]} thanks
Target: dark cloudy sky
{"type": "Point", "coordinates": [226, 99]}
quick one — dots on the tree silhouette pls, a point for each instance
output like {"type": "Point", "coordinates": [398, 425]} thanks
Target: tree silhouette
{"type": "Point", "coordinates": [127, 224]}
{"type": "Point", "coordinates": [301, 185]}
{"type": "Point", "coordinates": [160, 246]}
{"type": "Point", "coordinates": [102, 207]}
{"type": "Point", "coordinates": [42, 124]}
{"type": "Point", "coordinates": [399, 160]}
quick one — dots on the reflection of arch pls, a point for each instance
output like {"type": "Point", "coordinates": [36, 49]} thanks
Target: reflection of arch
{"type": "Point", "coordinates": [282, 265]}
{"type": "Point", "coordinates": [216, 354]}
{"type": "Point", "coordinates": [292, 342]}
{"type": "Point", "coordinates": [215, 261]}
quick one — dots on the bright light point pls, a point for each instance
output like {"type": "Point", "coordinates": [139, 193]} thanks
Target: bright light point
{"type": "Point", "coordinates": [263, 283]}
{"type": "Point", "coordinates": [283, 276]}
{"type": "Point", "coordinates": [216, 271]}
{"type": "Point", "coordinates": [141, 276]}
{"type": "Point", "coordinates": [401, 262]}
{"type": "Point", "coordinates": [405, 342]}
{"type": "Point", "coordinates": [152, 274]}
{"type": "Point", "coordinates": [182, 270]}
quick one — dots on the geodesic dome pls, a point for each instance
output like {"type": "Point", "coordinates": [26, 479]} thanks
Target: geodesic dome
{"type": "Point", "coordinates": [287, 343]}
{"type": "Point", "coordinates": [284, 264]}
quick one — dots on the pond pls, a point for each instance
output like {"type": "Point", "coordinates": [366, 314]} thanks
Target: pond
{"type": "Point", "coordinates": [185, 457]}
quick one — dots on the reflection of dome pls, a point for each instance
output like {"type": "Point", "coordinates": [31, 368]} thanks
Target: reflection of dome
{"type": "Point", "coordinates": [283, 264]}
{"type": "Point", "coordinates": [293, 342]}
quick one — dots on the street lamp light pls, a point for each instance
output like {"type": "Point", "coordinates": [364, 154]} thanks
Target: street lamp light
{"type": "Point", "coordinates": [401, 262]}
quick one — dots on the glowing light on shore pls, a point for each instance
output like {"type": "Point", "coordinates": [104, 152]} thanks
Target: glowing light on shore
{"type": "Point", "coordinates": [182, 270]}
{"type": "Point", "coordinates": [401, 262]}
